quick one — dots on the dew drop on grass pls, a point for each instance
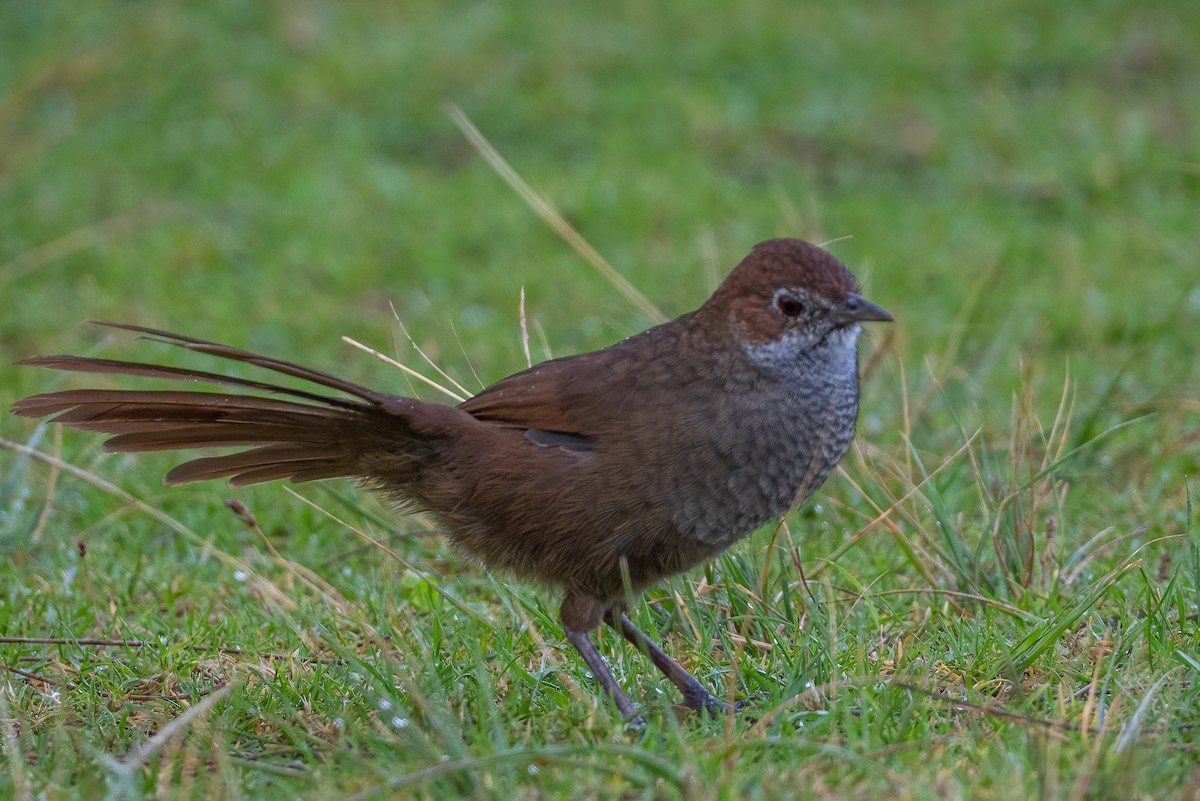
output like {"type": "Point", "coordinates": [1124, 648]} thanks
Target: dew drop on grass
{"type": "Point", "coordinates": [240, 575]}
{"type": "Point", "coordinates": [384, 705]}
{"type": "Point", "coordinates": [399, 722]}
{"type": "Point", "coordinates": [533, 770]}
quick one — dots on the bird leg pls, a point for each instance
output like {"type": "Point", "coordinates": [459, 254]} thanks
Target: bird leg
{"type": "Point", "coordinates": [695, 696]}
{"type": "Point", "coordinates": [587, 649]}
{"type": "Point", "coordinates": [579, 615]}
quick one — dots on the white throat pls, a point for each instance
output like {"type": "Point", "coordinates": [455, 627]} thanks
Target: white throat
{"type": "Point", "coordinates": [794, 354]}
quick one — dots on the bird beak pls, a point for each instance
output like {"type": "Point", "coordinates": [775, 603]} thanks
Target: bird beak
{"type": "Point", "coordinates": [857, 309]}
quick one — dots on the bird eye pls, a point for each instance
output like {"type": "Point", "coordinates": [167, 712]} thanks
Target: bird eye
{"type": "Point", "coordinates": [789, 306]}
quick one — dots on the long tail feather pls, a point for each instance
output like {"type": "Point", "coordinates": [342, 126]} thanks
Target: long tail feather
{"type": "Point", "coordinates": [237, 354]}
{"type": "Point", "coordinates": [308, 437]}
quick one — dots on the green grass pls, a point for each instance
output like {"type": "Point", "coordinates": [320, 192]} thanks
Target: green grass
{"type": "Point", "coordinates": [1019, 185]}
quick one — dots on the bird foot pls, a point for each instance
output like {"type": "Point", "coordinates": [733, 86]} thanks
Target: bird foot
{"type": "Point", "coordinates": [701, 701]}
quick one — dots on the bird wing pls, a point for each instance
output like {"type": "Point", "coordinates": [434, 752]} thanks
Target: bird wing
{"type": "Point", "coordinates": [546, 398]}
{"type": "Point", "coordinates": [567, 402]}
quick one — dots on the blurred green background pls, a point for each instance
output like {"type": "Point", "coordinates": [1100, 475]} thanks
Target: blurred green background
{"type": "Point", "coordinates": [1018, 182]}
{"type": "Point", "coordinates": [282, 171]}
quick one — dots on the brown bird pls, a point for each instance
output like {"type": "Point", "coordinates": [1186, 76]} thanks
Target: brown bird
{"type": "Point", "coordinates": [598, 474]}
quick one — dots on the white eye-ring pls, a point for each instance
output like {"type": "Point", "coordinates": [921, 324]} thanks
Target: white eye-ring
{"type": "Point", "coordinates": [788, 304]}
